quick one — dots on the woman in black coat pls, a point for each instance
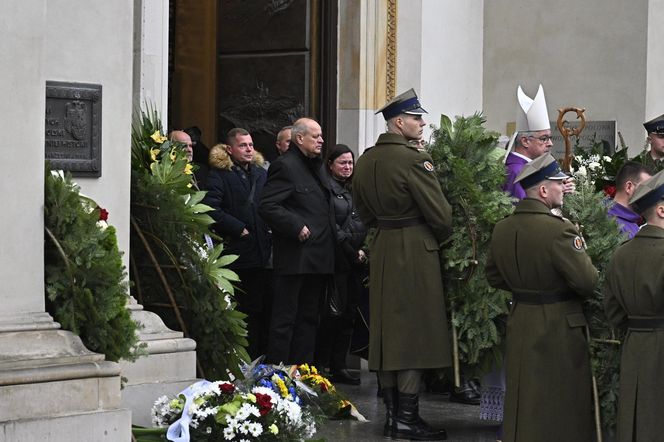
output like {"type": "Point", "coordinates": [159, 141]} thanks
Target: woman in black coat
{"type": "Point", "coordinates": [336, 330]}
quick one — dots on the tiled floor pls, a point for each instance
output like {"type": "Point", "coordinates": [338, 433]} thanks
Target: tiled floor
{"type": "Point", "coordinates": [460, 421]}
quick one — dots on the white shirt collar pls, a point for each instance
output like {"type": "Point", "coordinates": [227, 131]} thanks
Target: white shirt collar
{"type": "Point", "coordinates": [521, 156]}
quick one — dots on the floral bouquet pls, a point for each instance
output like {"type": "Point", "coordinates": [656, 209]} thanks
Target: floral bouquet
{"type": "Point", "coordinates": [271, 402]}
{"type": "Point", "coordinates": [330, 401]}
{"type": "Point", "coordinates": [220, 411]}
{"type": "Point", "coordinates": [595, 165]}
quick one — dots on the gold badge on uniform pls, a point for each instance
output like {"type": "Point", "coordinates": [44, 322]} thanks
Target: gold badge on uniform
{"type": "Point", "coordinates": [578, 243]}
{"type": "Point", "coordinates": [428, 166]}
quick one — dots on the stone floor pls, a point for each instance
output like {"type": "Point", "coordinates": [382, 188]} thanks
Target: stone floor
{"type": "Point", "coordinates": [460, 421]}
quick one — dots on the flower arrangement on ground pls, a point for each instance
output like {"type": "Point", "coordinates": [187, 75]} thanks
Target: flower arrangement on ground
{"type": "Point", "coordinates": [270, 403]}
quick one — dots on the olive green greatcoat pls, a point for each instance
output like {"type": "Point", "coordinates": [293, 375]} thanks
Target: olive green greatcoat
{"type": "Point", "coordinates": [647, 160]}
{"type": "Point", "coordinates": [548, 393]}
{"type": "Point", "coordinates": [408, 328]}
{"type": "Point", "coordinates": [634, 286]}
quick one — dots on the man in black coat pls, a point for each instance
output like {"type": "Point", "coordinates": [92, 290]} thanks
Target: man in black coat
{"type": "Point", "coordinates": [235, 184]}
{"type": "Point", "coordinates": [296, 206]}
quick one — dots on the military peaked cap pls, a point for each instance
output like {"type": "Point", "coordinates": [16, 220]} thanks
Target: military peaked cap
{"type": "Point", "coordinates": [542, 168]}
{"type": "Point", "coordinates": [649, 193]}
{"type": "Point", "coordinates": [655, 126]}
{"type": "Point", "coordinates": [406, 103]}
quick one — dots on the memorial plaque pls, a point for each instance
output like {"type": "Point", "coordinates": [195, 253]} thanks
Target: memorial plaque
{"type": "Point", "coordinates": [73, 127]}
{"type": "Point", "coordinates": [600, 131]}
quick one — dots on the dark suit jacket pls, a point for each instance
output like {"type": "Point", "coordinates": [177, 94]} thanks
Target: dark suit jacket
{"type": "Point", "coordinates": [295, 196]}
{"type": "Point", "coordinates": [236, 208]}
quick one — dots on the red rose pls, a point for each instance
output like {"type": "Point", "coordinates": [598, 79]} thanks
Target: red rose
{"type": "Point", "coordinates": [609, 190]}
{"type": "Point", "coordinates": [226, 387]}
{"type": "Point", "coordinates": [264, 403]}
{"type": "Point", "coordinates": [103, 214]}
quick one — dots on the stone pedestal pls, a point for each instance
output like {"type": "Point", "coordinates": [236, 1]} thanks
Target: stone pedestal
{"type": "Point", "coordinates": [168, 368]}
{"type": "Point", "coordinates": [53, 388]}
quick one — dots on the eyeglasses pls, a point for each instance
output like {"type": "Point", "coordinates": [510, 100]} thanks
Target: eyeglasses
{"type": "Point", "coordinates": [543, 138]}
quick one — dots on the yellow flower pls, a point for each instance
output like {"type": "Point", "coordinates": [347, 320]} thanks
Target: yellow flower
{"type": "Point", "coordinates": [188, 169]}
{"type": "Point", "coordinates": [251, 397]}
{"type": "Point", "coordinates": [282, 387]}
{"type": "Point", "coordinates": [189, 185]}
{"type": "Point", "coordinates": [172, 154]}
{"type": "Point", "coordinates": [153, 154]}
{"type": "Point", "coordinates": [273, 429]}
{"type": "Point", "coordinates": [157, 137]}
{"type": "Point", "coordinates": [314, 370]}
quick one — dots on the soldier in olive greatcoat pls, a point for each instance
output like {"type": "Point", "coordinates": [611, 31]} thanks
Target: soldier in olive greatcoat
{"type": "Point", "coordinates": [396, 190]}
{"type": "Point", "coordinates": [541, 259]}
{"type": "Point", "coordinates": [634, 299]}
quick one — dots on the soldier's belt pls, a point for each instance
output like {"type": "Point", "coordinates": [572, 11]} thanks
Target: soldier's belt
{"type": "Point", "coordinates": [645, 323]}
{"type": "Point", "coordinates": [542, 297]}
{"type": "Point", "coordinates": [387, 224]}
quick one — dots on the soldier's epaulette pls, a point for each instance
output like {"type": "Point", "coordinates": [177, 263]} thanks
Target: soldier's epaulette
{"type": "Point", "coordinates": [555, 213]}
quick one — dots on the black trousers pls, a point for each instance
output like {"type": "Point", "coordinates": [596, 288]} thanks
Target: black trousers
{"type": "Point", "coordinates": [253, 296]}
{"type": "Point", "coordinates": [295, 310]}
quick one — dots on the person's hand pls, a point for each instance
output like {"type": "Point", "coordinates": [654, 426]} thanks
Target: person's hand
{"type": "Point", "coordinates": [304, 234]}
{"type": "Point", "coordinates": [245, 232]}
{"type": "Point", "coordinates": [361, 256]}
{"type": "Point", "coordinates": [569, 186]}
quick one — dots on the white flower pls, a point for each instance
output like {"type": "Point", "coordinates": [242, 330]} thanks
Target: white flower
{"type": "Point", "coordinates": [594, 158]}
{"type": "Point", "coordinates": [228, 433]}
{"type": "Point", "coordinates": [582, 171]}
{"type": "Point", "coordinates": [247, 410]}
{"type": "Point", "coordinates": [208, 430]}
{"type": "Point", "coordinates": [607, 159]}
{"type": "Point", "coordinates": [594, 165]}
{"type": "Point", "coordinates": [292, 410]}
{"type": "Point", "coordinates": [244, 427]}
{"type": "Point", "coordinates": [255, 429]}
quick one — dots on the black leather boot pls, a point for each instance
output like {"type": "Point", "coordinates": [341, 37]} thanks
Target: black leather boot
{"type": "Point", "coordinates": [466, 393]}
{"type": "Point", "coordinates": [409, 425]}
{"type": "Point", "coordinates": [391, 401]}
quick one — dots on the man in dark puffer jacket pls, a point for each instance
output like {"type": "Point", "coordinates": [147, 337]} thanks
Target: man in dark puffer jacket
{"type": "Point", "coordinates": [235, 185]}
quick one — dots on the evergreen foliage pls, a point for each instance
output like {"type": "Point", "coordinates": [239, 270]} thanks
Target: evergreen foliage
{"type": "Point", "coordinates": [471, 173]}
{"type": "Point", "coordinates": [588, 209]}
{"type": "Point", "coordinates": [86, 285]}
{"type": "Point", "coordinates": [167, 215]}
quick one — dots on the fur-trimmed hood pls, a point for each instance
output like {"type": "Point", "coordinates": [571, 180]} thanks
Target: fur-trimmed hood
{"type": "Point", "coordinates": [219, 158]}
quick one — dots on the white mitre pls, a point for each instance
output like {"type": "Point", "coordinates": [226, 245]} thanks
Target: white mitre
{"type": "Point", "coordinates": [531, 114]}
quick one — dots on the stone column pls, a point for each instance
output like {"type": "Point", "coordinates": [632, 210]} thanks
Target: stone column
{"type": "Point", "coordinates": [366, 69]}
{"type": "Point", "coordinates": [52, 387]}
{"type": "Point", "coordinates": [170, 363]}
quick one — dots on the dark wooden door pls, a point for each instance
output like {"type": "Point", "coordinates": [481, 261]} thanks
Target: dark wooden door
{"type": "Point", "coordinates": [273, 66]}
{"type": "Point", "coordinates": [275, 62]}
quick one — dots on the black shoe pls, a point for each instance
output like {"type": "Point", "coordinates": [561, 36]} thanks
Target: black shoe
{"type": "Point", "coordinates": [409, 425]}
{"type": "Point", "coordinates": [476, 386]}
{"type": "Point", "coordinates": [465, 394]}
{"type": "Point", "coordinates": [344, 376]}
